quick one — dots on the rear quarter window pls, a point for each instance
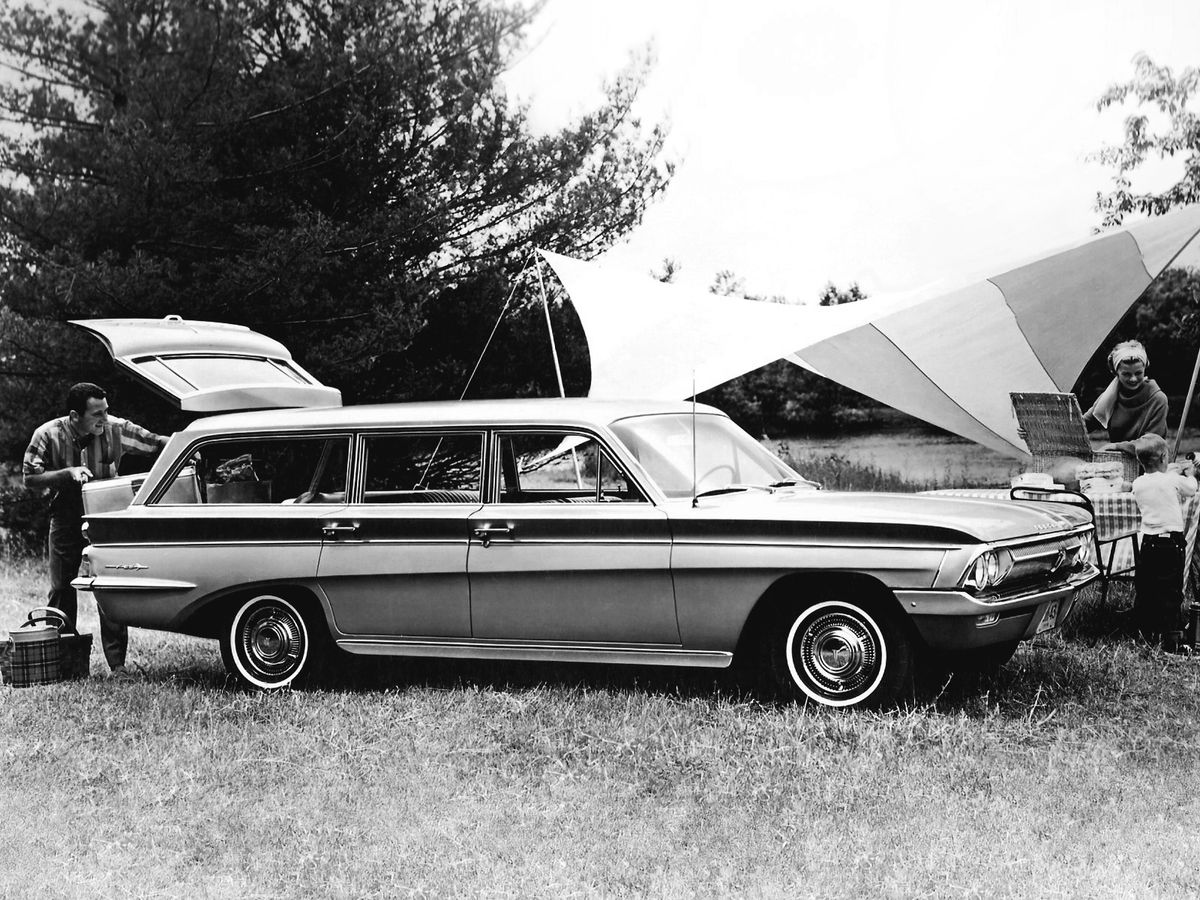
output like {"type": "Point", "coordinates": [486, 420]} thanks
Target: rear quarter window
{"type": "Point", "coordinates": [263, 470]}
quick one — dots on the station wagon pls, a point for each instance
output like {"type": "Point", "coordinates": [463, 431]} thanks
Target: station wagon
{"type": "Point", "coordinates": [643, 532]}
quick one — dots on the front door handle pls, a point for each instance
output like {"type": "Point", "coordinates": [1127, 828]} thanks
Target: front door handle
{"type": "Point", "coordinates": [485, 533]}
{"type": "Point", "coordinates": [333, 529]}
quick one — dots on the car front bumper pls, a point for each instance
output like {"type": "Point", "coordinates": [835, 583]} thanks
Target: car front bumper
{"type": "Point", "coordinates": [955, 621]}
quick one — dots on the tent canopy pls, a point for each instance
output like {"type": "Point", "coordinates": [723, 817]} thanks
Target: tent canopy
{"type": "Point", "coordinates": [948, 357]}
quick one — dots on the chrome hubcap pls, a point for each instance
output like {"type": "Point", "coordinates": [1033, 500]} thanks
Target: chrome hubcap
{"type": "Point", "coordinates": [839, 651]}
{"type": "Point", "coordinates": [272, 641]}
{"type": "Point", "coordinates": [835, 654]}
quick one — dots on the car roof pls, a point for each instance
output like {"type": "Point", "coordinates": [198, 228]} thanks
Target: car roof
{"type": "Point", "coordinates": [529, 411]}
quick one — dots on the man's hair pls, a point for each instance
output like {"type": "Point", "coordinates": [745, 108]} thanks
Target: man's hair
{"type": "Point", "coordinates": [1151, 448]}
{"type": "Point", "coordinates": [79, 395]}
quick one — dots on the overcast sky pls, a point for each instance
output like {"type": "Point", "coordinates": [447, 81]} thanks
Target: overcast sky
{"type": "Point", "coordinates": [897, 144]}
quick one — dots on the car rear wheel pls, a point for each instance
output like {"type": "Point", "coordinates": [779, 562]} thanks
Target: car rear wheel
{"type": "Point", "coordinates": [269, 643]}
{"type": "Point", "coordinates": [840, 653]}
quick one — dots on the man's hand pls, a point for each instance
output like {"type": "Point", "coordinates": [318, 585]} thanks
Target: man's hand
{"type": "Point", "coordinates": [80, 474]}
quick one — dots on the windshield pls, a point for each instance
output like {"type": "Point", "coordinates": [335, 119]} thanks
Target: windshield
{"type": "Point", "coordinates": [724, 454]}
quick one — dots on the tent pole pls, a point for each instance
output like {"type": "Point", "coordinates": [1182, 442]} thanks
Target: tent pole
{"type": "Point", "coordinates": [557, 368]}
{"type": "Point", "coordinates": [495, 328]}
{"type": "Point", "coordinates": [1187, 404]}
{"type": "Point", "coordinates": [549, 329]}
{"type": "Point", "coordinates": [478, 363]}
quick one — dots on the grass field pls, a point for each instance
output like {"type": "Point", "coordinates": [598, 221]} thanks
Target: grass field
{"type": "Point", "coordinates": [1070, 774]}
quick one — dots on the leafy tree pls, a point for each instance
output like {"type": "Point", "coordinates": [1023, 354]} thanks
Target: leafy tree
{"type": "Point", "coordinates": [1171, 128]}
{"type": "Point", "coordinates": [831, 295]}
{"type": "Point", "coordinates": [728, 283]}
{"type": "Point", "coordinates": [1163, 124]}
{"type": "Point", "coordinates": [348, 176]}
{"type": "Point", "coordinates": [670, 268]}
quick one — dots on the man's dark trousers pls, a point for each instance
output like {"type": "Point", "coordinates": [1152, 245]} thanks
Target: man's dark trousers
{"type": "Point", "coordinates": [66, 552]}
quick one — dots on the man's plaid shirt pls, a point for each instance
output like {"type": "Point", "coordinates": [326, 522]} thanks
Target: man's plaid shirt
{"type": "Point", "coordinates": [54, 446]}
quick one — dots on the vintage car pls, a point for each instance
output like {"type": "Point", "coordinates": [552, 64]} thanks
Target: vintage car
{"type": "Point", "coordinates": [637, 532]}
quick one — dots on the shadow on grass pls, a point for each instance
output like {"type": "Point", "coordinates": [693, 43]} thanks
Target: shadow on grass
{"type": "Point", "coordinates": [198, 665]}
{"type": "Point", "coordinates": [1090, 666]}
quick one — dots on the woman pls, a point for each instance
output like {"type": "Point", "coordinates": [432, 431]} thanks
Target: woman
{"type": "Point", "coordinates": [1132, 405]}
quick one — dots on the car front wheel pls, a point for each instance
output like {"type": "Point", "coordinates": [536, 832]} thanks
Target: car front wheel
{"type": "Point", "coordinates": [840, 653]}
{"type": "Point", "coordinates": [268, 644]}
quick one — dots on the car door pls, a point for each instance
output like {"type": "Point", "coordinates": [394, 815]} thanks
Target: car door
{"type": "Point", "coordinates": [568, 548]}
{"type": "Point", "coordinates": [394, 560]}
{"type": "Point", "coordinates": [237, 510]}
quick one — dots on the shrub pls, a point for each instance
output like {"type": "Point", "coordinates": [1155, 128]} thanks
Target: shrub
{"type": "Point", "coordinates": [24, 520]}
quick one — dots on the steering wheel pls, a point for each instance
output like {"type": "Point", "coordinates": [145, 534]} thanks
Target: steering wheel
{"type": "Point", "coordinates": [717, 468]}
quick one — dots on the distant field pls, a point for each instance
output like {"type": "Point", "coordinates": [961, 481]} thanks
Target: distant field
{"type": "Point", "coordinates": [920, 456]}
{"type": "Point", "coordinates": [1071, 774]}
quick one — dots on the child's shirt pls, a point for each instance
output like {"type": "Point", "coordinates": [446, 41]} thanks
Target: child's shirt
{"type": "Point", "coordinates": [1159, 497]}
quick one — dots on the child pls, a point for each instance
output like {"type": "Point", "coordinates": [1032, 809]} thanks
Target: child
{"type": "Point", "coordinates": [1158, 582]}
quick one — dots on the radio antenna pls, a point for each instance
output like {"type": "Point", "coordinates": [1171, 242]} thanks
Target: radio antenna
{"type": "Point", "coordinates": [693, 438]}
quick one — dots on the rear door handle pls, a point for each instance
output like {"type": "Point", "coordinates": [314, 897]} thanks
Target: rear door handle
{"type": "Point", "coordinates": [333, 529]}
{"type": "Point", "coordinates": [485, 533]}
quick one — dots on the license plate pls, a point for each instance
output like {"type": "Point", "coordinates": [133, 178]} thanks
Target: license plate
{"type": "Point", "coordinates": [1050, 619]}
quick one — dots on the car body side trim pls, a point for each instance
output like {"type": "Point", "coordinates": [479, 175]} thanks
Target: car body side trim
{"type": "Point", "coordinates": [108, 583]}
{"type": "Point", "coordinates": [644, 656]}
{"type": "Point", "coordinates": [191, 542]}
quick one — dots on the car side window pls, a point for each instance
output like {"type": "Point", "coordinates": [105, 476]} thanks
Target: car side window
{"type": "Point", "coordinates": [263, 470]}
{"type": "Point", "coordinates": [423, 468]}
{"type": "Point", "coordinates": [564, 467]}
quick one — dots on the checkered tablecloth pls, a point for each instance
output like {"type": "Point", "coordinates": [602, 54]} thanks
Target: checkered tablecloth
{"type": "Point", "coordinates": [1117, 518]}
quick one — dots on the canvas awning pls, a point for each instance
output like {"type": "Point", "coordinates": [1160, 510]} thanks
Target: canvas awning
{"type": "Point", "coordinates": [949, 357]}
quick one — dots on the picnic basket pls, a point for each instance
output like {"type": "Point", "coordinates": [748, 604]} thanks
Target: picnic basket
{"type": "Point", "coordinates": [1054, 430]}
{"type": "Point", "coordinates": [45, 649]}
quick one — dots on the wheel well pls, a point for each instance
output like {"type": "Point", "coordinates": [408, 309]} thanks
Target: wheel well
{"type": "Point", "coordinates": [791, 590]}
{"type": "Point", "coordinates": [213, 618]}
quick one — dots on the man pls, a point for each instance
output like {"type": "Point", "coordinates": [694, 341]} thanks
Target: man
{"type": "Point", "coordinates": [63, 455]}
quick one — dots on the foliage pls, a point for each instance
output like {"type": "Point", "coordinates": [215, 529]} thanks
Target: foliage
{"type": "Point", "coordinates": [835, 472]}
{"type": "Point", "coordinates": [1163, 124]}
{"type": "Point", "coordinates": [670, 268]}
{"type": "Point", "coordinates": [1170, 129]}
{"type": "Point", "coordinates": [24, 520]}
{"type": "Point", "coordinates": [1167, 321]}
{"type": "Point", "coordinates": [348, 177]}
{"type": "Point", "coordinates": [831, 295]}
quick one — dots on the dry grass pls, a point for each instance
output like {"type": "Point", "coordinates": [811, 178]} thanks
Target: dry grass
{"type": "Point", "coordinates": [1069, 774]}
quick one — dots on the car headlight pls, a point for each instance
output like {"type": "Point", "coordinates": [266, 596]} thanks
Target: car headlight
{"type": "Point", "coordinates": [989, 569]}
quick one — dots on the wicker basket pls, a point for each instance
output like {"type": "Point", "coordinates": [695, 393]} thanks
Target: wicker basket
{"type": "Point", "coordinates": [1054, 430]}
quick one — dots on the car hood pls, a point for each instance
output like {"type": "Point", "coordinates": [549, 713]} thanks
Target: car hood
{"type": "Point", "coordinates": [982, 520]}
